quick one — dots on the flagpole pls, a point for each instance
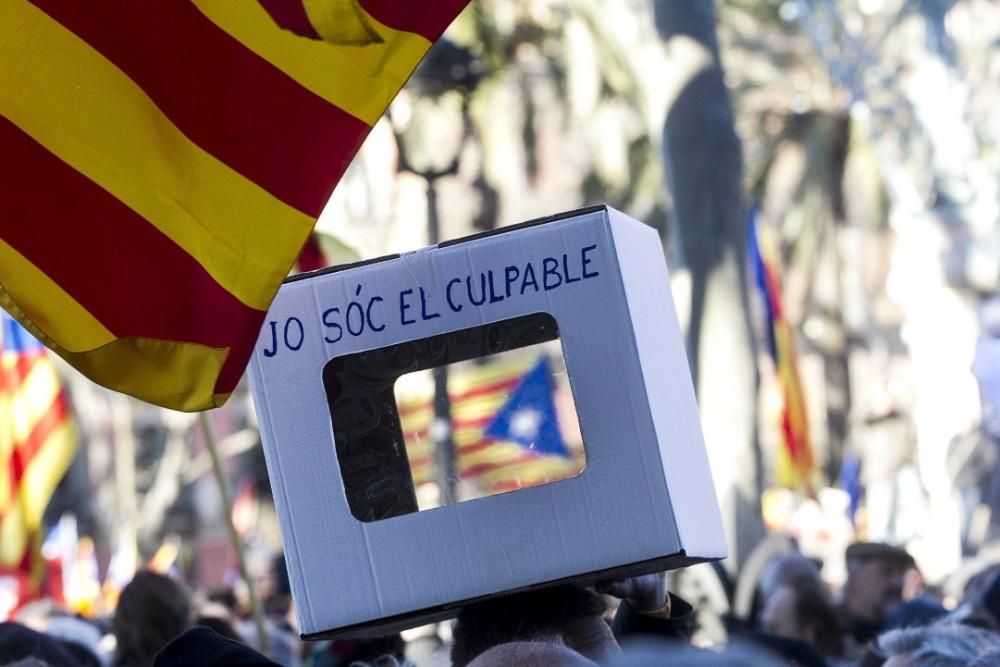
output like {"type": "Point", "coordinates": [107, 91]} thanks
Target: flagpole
{"type": "Point", "coordinates": [234, 537]}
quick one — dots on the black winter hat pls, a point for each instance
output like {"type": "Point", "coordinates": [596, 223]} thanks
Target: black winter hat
{"type": "Point", "coordinates": [201, 647]}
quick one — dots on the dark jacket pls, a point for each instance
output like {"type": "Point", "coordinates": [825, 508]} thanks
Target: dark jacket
{"type": "Point", "coordinates": [679, 625]}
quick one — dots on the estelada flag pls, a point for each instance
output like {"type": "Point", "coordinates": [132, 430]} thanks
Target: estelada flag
{"type": "Point", "coordinates": [37, 443]}
{"type": "Point", "coordinates": [162, 163]}
{"type": "Point", "coordinates": [796, 467]}
{"type": "Point", "coordinates": [496, 454]}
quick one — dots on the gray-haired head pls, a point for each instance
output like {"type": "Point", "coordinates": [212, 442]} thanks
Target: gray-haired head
{"type": "Point", "coordinates": [940, 645]}
{"type": "Point", "coordinates": [532, 654]}
{"type": "Point", "coordinates": [646, 651]}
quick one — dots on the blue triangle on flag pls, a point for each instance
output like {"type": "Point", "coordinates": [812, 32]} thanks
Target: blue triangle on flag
{"type": "Point", "coordinates": [529, 415]}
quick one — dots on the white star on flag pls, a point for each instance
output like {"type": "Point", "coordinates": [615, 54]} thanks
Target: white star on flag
{"type": "Point", "coordinates": [524, 423]}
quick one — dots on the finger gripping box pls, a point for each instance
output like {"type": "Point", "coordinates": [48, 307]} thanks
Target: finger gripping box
{"type": "Point", "coordinates": [361, 558]}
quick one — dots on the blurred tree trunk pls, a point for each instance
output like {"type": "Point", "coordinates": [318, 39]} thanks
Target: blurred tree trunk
{"type": "Point", "coordinates": [703, 160]}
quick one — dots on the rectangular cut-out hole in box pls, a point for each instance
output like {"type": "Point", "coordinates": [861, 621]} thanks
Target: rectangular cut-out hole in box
{"type": "Point", "coordinates": [512, 425]}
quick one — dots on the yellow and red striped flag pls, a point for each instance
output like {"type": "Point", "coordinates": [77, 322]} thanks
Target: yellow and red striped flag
{"type": "Point", "coordinates": [37, 443]}
{"type": "Point", "coordinates": [796, 468]}
{"type": "Point", "coordinates": [162, 163]}
{"type": "Point", "coordinates": [477, 393]}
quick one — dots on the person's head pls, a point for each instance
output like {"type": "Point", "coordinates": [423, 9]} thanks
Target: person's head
{"type": "Point", "coordinates": [939, 645]}
{"type": "Point", "coordinates": [915, 613]}
{"type": "Point", "coordinates": [981, 606]}
{"type": "Point", "coordinates": [783, 570]}
{"type": "Point", "coordinates": [379, 651]}
{"type": "Point", "coordinates": [18, 642]}
{"type": "Point", "coordinates": [737, 653]}
{"type": "Point", "coordinates": [205, 648]}
{"type": "Point", "coordinates": [548, 615]}
{"type": "Point", "coordinates": [80, 637]}
{"type": "Point", "coordinates": [977, 584]}
{"type": "Point", "coordinates": [875, 576]}
{"type": "Point", "coordinates": [221, 625]}
{"type": "Point", "coordinates": [801, 609]}
{"type": "Point", "coordinates": [225, 597]}
{"type": "Point", "coordinates": [152, 610]}
{"type": "Point", "coordinates": [531, 654]}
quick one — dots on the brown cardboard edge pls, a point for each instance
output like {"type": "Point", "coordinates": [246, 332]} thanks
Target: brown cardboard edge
{"type": "Point", "coordinates": [585, 210]}
{"type": "Point", "coordinates": [399, 622]}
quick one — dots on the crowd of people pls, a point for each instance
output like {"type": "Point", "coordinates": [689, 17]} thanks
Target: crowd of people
{"type": "Point", "coordinates": [883, 615]}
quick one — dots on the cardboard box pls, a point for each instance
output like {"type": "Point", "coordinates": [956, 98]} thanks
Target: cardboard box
{"type": "Point", "coordinates": [644, 501]}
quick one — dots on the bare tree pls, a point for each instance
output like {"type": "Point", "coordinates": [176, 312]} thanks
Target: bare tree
{"type": "Point", "coordinates": [703, 161]}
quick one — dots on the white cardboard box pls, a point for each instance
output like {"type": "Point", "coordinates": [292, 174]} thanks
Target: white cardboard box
{"type": "Point", "coordinates": [644, 502]}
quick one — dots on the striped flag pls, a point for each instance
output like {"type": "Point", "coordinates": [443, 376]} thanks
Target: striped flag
{"type": "Point", "coordinates": [795, 466]}
{"type": "Point", "coordinates": [162, 163]}
{"type": "Point", "coordinates": [37, 443]}
{"type": "Point", "coordinates": [478, 393]}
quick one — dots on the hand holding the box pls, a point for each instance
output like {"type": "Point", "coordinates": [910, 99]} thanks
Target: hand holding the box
{"type": "Point", "coordinates": [647, 594]}
{"type": "Point", "coordinates": [648, 609]}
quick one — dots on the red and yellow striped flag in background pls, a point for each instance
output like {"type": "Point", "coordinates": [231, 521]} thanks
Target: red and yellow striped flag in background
{"type": "Point", "coordinates": [37, 443]}
{"type": "Point", "coordinates": [477, 392]}
{"type": "Point", "coordinates": [162, 163]}
{"type": "Point", "coordinates": [796, 468]}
